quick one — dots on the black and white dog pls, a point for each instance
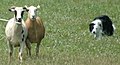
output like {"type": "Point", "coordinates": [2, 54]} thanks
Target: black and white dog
{"type": "Point", "coordinates": [101, 25]}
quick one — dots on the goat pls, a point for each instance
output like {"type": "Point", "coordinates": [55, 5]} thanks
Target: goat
{"type": "Point", "coordinates": [36, 29]}
{"type": "Point", "coordinates": [16, 31]}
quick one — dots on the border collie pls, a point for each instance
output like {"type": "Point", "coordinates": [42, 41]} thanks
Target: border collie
{"type": "Point", "coordinates": [101, 25]}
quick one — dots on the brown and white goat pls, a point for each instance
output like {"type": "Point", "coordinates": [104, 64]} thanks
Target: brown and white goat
{"type": "Point", "coordinates": [16, 32]}
{"type": "Point", "coordinates": [36, 30]}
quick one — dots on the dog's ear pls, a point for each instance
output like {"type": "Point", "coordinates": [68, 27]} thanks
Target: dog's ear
{"type": "Point", "coordinates": [91, 24]}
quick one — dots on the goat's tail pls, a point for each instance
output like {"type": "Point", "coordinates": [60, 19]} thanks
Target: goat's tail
{"type": "Point", "coordinates": [3, 19]}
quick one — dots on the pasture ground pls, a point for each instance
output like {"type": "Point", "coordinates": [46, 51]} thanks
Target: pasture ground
{"type": "Point", "coordinates": [67, 40]}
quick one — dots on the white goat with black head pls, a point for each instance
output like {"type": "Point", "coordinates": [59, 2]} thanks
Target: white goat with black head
{"type": "Point", "coordinates": [36, 30]}
{"type": "Point", "coordinates": [16, 31]}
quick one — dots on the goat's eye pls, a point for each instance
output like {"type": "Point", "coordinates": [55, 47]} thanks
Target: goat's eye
{"type": "Point", "coordinates": [35, 10]}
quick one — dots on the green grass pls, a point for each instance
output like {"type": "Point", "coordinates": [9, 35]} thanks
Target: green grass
{"type": "Point", "coordinates": [67, 40]}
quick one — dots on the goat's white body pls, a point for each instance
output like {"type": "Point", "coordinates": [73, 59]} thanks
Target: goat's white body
{"type": "Point", "coordinates": [14, 35]}
{"type": "Point", "coordinates": [13, 31]}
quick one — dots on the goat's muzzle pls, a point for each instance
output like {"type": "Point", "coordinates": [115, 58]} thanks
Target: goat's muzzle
{"type": "Point", "coordinates": [33, 17]}
{"type": "Point", "coordinates": [19, 19]}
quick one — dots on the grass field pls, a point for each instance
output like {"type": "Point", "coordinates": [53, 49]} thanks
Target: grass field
{"type": "Point", "coordinates": [67, 40]}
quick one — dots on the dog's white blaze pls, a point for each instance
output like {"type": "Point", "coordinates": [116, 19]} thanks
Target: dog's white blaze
{"type": "Point", "coordinates": [97, 26]}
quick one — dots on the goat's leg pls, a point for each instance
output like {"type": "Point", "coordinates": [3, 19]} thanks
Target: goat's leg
{"type": "Point", "coordinates": [28, 45]}
{"type": "Point", "coordinates": [10, 50]}
{"type": "Point", "coordinates": [37, 48]}
{"type": "Point", "coordinates": [21, 50]}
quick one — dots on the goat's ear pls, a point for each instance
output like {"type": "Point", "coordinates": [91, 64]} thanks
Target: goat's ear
{"type": "Point", "coordinates": [12, 9]}
{"type": "Point", "coordinates": [38, 6]}
{"type": "Point", "coordinates": [26, 8]}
